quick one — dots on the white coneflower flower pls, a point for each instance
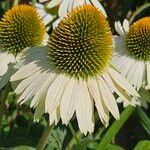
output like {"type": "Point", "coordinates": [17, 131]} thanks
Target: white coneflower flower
{"type": "Point", "coordinates": [68, 5]}
{"type": "Point", "coordinates": [132, 51]}
{"type": "Point", "coordinates": [73, 73]}
{"type": "Point", "coordinates": [132, 55]}
{"type": "Point", "coordinates": [20, 27]}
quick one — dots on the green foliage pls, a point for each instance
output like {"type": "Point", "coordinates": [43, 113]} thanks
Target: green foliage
{"type": "Point", "coordinates": [143, 145]}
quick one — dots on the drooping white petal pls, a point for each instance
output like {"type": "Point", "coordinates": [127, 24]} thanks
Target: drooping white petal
{"type": "Point", "coordinates": [25, 71]}
{"type": "Point", "coordinates": [5, 60]}
{"type": "Point", "coordinates": [6, 77]}
{"type": "Point", "coordinates": [125, 66]}
{"type": "Point", "coordinates": [101, 108]}
{"type": "Point", "coordinates": [109, 99]}
{"type": "Point", "coordinates": [24, 83]}
{"type": "Point", "coordinates": [39, 111]}
{"type": "Point", "coordinates": [67, 106]}
{"type": "Point", "coordinates": [84, 108]}
{"type": "Point", "coordinates": [54, 116]}
{"type": "Point", "coordinates": [135, 74]}
{"type": "Point", "coordinates": [148, 73]}
{"type": "Point", "coordinates": [122, 82]}
{"type": "Point", "coordinates": [55, 92]}
{"type": "Point", "coordinates": [116, 89]}
{"type": "Point", "coordinates": [41, 92]}
{"type": "Point", "coordinates": [33, 87]}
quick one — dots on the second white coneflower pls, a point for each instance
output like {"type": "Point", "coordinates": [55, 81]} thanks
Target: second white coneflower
{"type": "Point", "coordinates": [73, 73]}
{"type": "Point", "coordinates": [132, 52]}
{"type": "Point", "coordinates": [20, 27]}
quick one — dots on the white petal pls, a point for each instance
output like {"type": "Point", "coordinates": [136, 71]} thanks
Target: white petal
{"type": "Point", "coordinates": [42, 91]}
{"type": "Point", "coordinates": [122, 82]}
{"type": "Point", "coordinates": [111, 85]}
{"type": "Point", "coordinates": [5, 60]}
{"type": "Point", "coordinates": [63, 9]}
{"type": "Point", "coordinates": [118, 28]}
{"type": "Point", "coordinates": [97, 4]}
{"type": "Point", "coordinates": [53, 3]}
{"type": "Point", "coordinates": [39, 111]}
{"type": "Point", "coordinates": [6, 77]}
{"type": "Point", "coordinates": [108, 98]}
{"type": "Point", "coordinates": [126, 25]}
{"type": "Point", "coordinates": [55, 92]}
{"type": "Point", "coordinates": [126, 65]}
{"type": "Point", "coordinates": [136, 73]}
{"type": "Point", "coordinates": [78, 3]}
{"type": "Point", "coordinates": [148, 73]}
{"type": "Point", "coordinates": [101, 108]}
{"type": "Point", "coordinates": [84, 108]}
{"type": "Point", "coordinates": [67, 106]}
{"type": "Point", "coordinates": [24, 83]}
{"type": "Point", "coordinates": [54, 116]}
{"type": "Point", "coordinates": [35, 54]}
{"type": "Point", "coordinates": [25, 71]}
{"type": "Point", "coordinates": [31, 89]}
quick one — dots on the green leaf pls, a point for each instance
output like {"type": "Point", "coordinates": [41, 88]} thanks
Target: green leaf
{"type": "Point", "coordinates": [144, 119]}
{"type": "Point", "coordinates": [114, 128]}
{"type": "Point", "coordinates": [87, 142]}
{"type": "Point", "coordinates": [56, 139]}
{"type": "Point", "coordinates": [143, 145]}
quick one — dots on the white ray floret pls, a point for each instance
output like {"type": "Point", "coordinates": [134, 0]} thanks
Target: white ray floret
{"type": "Point", "coordinates": [67, 95]}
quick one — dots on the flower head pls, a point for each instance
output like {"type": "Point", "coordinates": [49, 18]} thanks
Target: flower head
{"type": "Point", "coordinates": [138, 40]}
{"type": "Point", "coordinates": [81, 45]}
{"type": "Point", "coordinates": [73, 73]}
{"type": "Point", "coordinates": [132, 51]}
{"type": "Point", "coordinates": [21, 27]}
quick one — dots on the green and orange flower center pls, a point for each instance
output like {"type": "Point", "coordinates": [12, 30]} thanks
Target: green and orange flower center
{"type": "Point", "coordinates": [21, 27]}
{"type": "Point", "coordinates": [81, 45]}
{"type": "Point", "coordinates": [138, 40]}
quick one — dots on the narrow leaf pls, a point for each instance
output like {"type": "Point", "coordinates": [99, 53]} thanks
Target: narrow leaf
{"type": "Point", "coordinates": [115, 127]}
{"type": "Point", "coordinates": [144, 119]}
{"type": "Point", "coordinates": [143, 145]}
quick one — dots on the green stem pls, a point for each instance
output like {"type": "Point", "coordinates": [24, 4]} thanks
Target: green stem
{"type": "Point", "coordinates": [44, 137]}
{"type": "Point", "coordinates": [114, 128]}
{"type": "Point", "coordinates": [74, 140]}
{"type": "Point", "coordinates": [15, 2]}
{"type": "Point", "coordinates": [3, 100]}
{"type": "Point", "coordinates": [34, 2]}
{"type": "Point", "coordinates": [74, 133]}
{"type": "Point", "coordinates": [140, 9]}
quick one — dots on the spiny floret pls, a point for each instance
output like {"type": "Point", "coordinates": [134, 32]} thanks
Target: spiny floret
{"type": "Point", "coordinates": [81, 45]}
{"type": "Point", "coordinates": [138, 40]}
{"type": "Point", "coordinates": [21, 27]}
